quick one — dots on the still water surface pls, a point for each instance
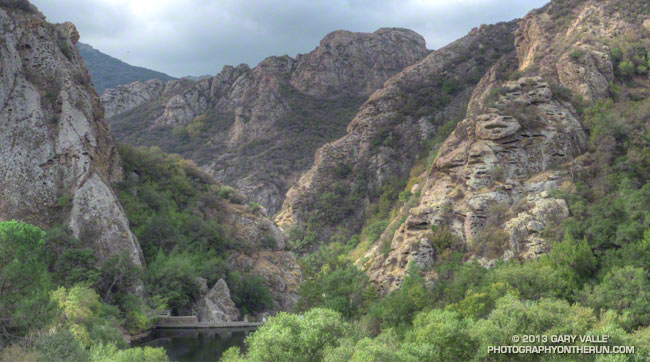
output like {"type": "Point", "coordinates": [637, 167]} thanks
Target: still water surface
{"type": "Point", "coordinates": [189, 345]}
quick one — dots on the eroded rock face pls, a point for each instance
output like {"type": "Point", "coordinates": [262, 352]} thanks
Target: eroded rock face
{"type": "Point", "coordinates": [495, 160]}
{"type": "Point", "coordinates": [57, 159]}
{"type": "Point", "coordinates": [256, 133]}
{"type": "Point", "coordinates": [583, 62]}
{"type": "Point", "coordinates": [347, 62]}
{"type": "Point", "coordinates": [124, 98]}
{"type": "Point", "coordinates": [492, 177]}
{"type": "Point", "coordinates": [216, 306]}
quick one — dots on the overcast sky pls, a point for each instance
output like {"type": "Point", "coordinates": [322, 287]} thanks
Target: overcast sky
{"type": "Point", "coordinates": [196, 37]}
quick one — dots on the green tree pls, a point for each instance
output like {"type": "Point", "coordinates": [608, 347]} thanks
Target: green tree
{"type": "Point", "coordinates": [81, 311]}
{"type": "Point", "coordinates": [249, 292]}
{"type": "Point", "coordinates": [110, 353]}
{"type": "Point", "coordinates": [399, 307]}
{"type": "Point", "coordinates": [174, 277]}
{"type": "Point", "coordinates": [445, 333]}
{"type": "Point", "coordinates": [289, 337]}
{"type": "Point", "coordinates": [624, 289]}
{"type": "Point", "coordinates": [574, 262]}
{"type": "Point", "coordinates": [626, 68]}
{"type": "Point", "coordinates": [24, 281]}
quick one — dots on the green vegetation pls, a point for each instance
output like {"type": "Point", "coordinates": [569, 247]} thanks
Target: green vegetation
{"type": "Point", "coordinates": [332, 281]}
{"type": "Point", "coordinates": [42, 320]}
{"type": "Point", "coordinates": [248, 292]}
{"type": "Point", "coordinates": [171, 206]}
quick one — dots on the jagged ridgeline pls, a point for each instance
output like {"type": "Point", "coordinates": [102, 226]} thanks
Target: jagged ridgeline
{"type": "Point", "coordinates": [257, 129]}
{"type": "Point", "coordinates": [442, 201]}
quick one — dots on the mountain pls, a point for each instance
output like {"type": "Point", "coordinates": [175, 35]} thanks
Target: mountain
{"type": "Point", "coordinates": [108, 72]}
{"type": "Point", "coordinates": [58, 159]}
{"type": "Point", "coordinates": [496, 188]}
{"type": "Point", "coordinates": [480, 179]}
{"type": "Point", "coordinates": [257, 129]}
{"type": "Point", "coordinates": [391, 131]}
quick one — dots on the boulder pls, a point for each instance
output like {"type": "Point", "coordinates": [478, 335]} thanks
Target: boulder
{"type": "Point", "coordinates": [216, 306]}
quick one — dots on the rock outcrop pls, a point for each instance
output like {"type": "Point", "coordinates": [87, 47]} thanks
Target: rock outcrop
{"type": "Point", "coordinates": [391, 130]}
{"type": "Point", "coordinates": [57, 158]}
{"type": "Point", "coordinates": [257, 129]}
{"type": "Point", "coordinates": [216, 306]}
{"type": "Point", "coordinates": [261, 251]}
{"type": "Point", "coordinates": [490, 184]}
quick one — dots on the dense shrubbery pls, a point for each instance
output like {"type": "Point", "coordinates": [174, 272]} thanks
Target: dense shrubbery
{"type": "Point", "coordinates": [162, 196]}
{"type": "Point", "coordinates": [58, 302]}
{"type": "Point", "coordinates": [24, 281]}
{"type": "Point", "coordinates": [332, 281]}
{"type": "Point", "coordinates": [46, 323]}
{"type": "Point", "coordinates": [249, 292]}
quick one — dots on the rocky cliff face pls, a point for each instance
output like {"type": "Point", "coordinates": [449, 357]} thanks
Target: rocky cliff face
{"type": "Point", "coordinates": [257, 129]}
{"type": "Point", "coordinates": [391, 130]}
{"type": "Point", "coordinates": [522, 137]}
{"type": "Point", "coordinates": [57, 158]}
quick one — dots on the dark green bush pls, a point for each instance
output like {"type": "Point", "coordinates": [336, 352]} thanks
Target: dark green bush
{"type": "Point", "coordinates": [61, 346]}
{"type": "Point", "coordinates": [249, 292]}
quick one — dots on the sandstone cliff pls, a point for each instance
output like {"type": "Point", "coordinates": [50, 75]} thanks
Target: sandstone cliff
{"type": "Point", "coordinates": [57, 158]}
{"type": "Point", "coordinates": [522, 137]}
{"type": "Point", "coordinates": [257, 129]}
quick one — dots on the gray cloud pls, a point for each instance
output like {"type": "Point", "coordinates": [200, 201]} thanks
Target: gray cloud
{"type": "Point", "coordinates": [200, 36]}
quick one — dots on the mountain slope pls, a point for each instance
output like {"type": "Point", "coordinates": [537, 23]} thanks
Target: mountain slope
{"type": "Point", "coordinates": [257, 129]}
{"type": "Point", "coordinates": [490, 191]}
{"type": "Point", "coordinates": [391, 131]}
{"type": "Point", "coordinates": [108, 72]}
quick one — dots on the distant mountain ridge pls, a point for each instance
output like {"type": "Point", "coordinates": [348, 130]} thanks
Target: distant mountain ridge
{"type": "Point", "coordinates": [257, 128]}
{"type": "Point", "coordinates": [109, 72]}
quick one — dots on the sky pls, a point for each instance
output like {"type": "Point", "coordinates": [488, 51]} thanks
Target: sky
{"type": "Point", "coordinates": [197, 37]}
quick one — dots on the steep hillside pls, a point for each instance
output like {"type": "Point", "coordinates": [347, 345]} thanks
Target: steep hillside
{"type": "Point", "coordinates": [114, 218]}
{"type": "Point", "coordinates": [108, 72]}
{"type": "Point", "coordinates": [57, 158]}
{"type": "Point", "coordinates": [492, 189]}
{"type": "Point", "coordinates": [257, 129]}
{"type": "Point", "coordinates": [390, 132]}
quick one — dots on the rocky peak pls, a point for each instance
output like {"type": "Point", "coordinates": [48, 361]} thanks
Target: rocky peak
{"type": "Point", "coordinates": [269, 119]}
{"type": "Point", "coordinates": [356, 62]}
{"type": "Point", "coordinates": [401, 115]}
{"type": "Point", "coordinates": [57, 159]}
{"type": "Point", "coordinates": [123, 98]}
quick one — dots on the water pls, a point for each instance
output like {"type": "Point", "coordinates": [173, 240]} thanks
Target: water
{"type": "Point", "coordinates": [204, 344]}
